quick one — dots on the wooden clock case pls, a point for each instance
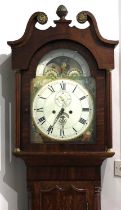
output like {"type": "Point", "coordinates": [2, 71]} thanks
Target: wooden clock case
{"type": "Point", "coordinates": [63, 176]}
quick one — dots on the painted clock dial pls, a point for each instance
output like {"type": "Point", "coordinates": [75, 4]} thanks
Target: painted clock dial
{"type": "Point", "coordinates": [62, 109]}
{"type": "Point", "coordinates": [63, 98]}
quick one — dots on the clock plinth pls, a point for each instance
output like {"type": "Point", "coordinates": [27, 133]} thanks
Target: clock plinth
{"type": "Point", "coordinates": [63, 111]}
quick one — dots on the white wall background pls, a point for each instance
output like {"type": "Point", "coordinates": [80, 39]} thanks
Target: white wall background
{"type": "Point", "coordinates": [13, 19]}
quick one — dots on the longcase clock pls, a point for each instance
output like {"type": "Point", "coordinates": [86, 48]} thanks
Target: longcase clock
{"type": "Point", "coordinates": [63, 110]}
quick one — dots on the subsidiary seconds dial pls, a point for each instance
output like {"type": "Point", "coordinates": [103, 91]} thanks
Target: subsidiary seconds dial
{"type": "Point", "coordinates": [62, 110]}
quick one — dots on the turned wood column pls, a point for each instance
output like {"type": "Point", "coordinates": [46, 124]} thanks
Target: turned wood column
{"type": "Point", "coordinates": [97, 200]}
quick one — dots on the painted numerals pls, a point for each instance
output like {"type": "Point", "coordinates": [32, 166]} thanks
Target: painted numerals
{"type": "Point", "coordinates": [62, 110]}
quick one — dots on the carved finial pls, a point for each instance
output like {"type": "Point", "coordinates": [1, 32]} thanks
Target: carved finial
{"type": "Point", "coordinates": [61, 12]}
{"type": "Point", "coordinates": [81, 17]}
{"type": "Point", "coordinates": [42, 18]}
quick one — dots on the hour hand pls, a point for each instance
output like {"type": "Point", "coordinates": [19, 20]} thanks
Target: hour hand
{"type": "Point", "coordinates": [50, 129]}
{"type": "Point", "coordinates": [57, 117]}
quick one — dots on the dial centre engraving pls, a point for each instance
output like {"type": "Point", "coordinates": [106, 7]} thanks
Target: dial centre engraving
{"type": "Point", "coordinates": [63, 99]}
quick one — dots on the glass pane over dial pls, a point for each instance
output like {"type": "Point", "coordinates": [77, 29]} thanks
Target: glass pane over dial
{"type": "Point", "coordinates": [62, 109]}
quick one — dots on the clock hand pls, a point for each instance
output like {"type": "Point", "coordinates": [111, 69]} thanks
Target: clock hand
{"type": "Point", "coordinates": [57, 117]}
{"type": "Point", "coordinates": [50, 129]}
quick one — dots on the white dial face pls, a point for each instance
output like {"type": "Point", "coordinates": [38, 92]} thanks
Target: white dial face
{"type": "Point", "coordinates": [62, 109]}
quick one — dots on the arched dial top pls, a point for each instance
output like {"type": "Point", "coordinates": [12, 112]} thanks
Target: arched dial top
{"type": "Point", "coordinates": [58, 58]}
{"type": "Point", "coordinates": [62, 110]}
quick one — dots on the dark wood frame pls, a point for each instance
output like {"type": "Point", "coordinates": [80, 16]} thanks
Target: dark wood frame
{"type": "Point", "coordinates": [71, 165]}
